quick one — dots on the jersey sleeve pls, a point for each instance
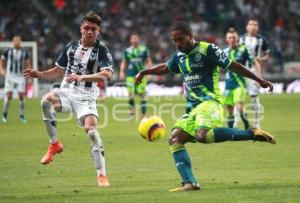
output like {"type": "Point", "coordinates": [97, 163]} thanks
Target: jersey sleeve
{"type": "Point", "coordinates": [62, 60]}
{"type": "Point", "coordinates": [172, 64]}
{"type": "Point", "coordinates": [147, 53]}
{"type": "Point", "coordinates": [126, 56]}
{"type": "Point", "coordinates": [5, 54]}
{"type": "Point", "coordinates": [265, 45]}
{"type": "Point", "coordinates": [26, 55]}
{"type": "Point", "coordinates": [105, 59]}
{"type": "Point", "coordinates": [249, 58]}
{"type": "Point", "coordinates": [218, 57]}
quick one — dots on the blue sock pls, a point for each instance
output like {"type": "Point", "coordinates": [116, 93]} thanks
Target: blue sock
{"type": "Point", "coordinates": [143, 106]}
{"type": "Point", "coordinates": [228, 134]}
{"type": "Point", "coordinates": [183, 163]}
{"type": "Point", "coordinates": [230, 121]}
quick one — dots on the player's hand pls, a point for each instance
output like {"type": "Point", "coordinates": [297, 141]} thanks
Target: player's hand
{"type": "Point", "coordinates": [139, 77]}
{"type": "Point", "coordinates": [73, 77]}
{"type": "Point", "coordinates": [122, 75]}
{"type": "Point", "coordinates": [30, 73]}
{"type": "Point", "coordinates": [266, 84]}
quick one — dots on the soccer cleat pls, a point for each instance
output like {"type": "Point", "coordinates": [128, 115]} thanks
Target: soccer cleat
{"type": "Point", "coordinates": [102, 181]}
{"type": "Point", "coordinates": [263, 136]}
{"type": "Point", "coordinates": [4, 117]}
{"type": "Point", "coordinates": [52, 150]}
{"type": "Point", "coordinates": [23, 119]}
{"type": "Point", "coordinates": [186, 187]}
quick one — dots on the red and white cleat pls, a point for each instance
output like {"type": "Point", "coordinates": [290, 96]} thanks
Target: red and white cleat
{"type": "Point", "coordinates": [102, 181]}
{"type": "Point", "coordinates": [52, 150]}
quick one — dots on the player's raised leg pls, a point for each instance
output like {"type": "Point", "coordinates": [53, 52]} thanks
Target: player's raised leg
{"type": "Point", "coordinates": [217, 135]}
{"type": "Point", "coordinates": [51, 103]}
{"type": "Point", "coordinates": [97, 149]}
{"type": "Point", "coordinates": [182, 161]}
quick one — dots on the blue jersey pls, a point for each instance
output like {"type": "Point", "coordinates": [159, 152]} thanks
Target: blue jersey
{"type": "Point", "coordinates": [135, 58]}
{"type": "Point", "coordinates": [241, 55]}
{"type": "Point", "coordinates": [200, 72]}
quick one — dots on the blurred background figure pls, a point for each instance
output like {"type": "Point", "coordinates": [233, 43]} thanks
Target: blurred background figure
{"type": "Point", "coordinates": [136, 58]}
{"type": "Point", "coordinates": [259, 49]}
{"type": "Point", "coordinates": [15, 60]}
{"type": "Point", "coordinates": [235, 84]}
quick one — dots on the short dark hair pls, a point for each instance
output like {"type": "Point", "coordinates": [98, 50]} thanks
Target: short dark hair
{"type": "Point", "coordinates": [182, 26]}
{"type": "Point", "coordinates": [252, 18]}
{"type": "Point", "coordinates": [232, 30]}
{"type": "Point", "coordinates": [92, 17]}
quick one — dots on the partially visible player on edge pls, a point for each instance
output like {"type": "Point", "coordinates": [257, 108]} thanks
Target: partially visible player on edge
{"type": "Point", "coordinates": [235, 85]}
{"type": "Point", "coordinates": [16, 60]}
{"type": "Point", "coordinates": [135, 58]}
{"type": "Point", "coordinates": [82, 63]}
{"type": "Point", "coordinates": [258, 47]}
{"type": "Point", "coordinates": [198, 63]}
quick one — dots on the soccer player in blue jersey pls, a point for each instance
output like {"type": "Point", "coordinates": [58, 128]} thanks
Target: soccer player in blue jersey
{"type": "Point", "coordinates": [198, 63]}
{"type": "Point", "coordinates": [135, 58]}
{"type": "Point", "coordinates": [16, 60]}
{"type": "Point", "coordinates": [235, 84]}
{"type": "Point", "coordinates": [82, 64]}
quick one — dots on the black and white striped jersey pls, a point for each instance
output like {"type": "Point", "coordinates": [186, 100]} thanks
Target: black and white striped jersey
{"type": "Point", "coordinates": [83, 61]}
{"type": "Point", "coordinates": [257, 45]}
{"type": "Point", "coordinates": [15, 61]}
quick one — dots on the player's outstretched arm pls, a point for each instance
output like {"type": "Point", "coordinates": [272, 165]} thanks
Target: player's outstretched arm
{"type": "Point", "coordinates": [2, 72]}
{"type": "Point", "coordinates": [159, 69]}
{"type": "Point", "coordinates": [50, 74]}
{"type": "Point", "coordinates": [105, 74]}
{"type": "Point", "coordinates": [123, 66]}
{"type": "Point", "coordinates": [240, 69]}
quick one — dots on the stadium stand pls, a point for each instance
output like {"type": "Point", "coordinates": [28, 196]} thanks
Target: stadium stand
{"type": "Point", "coordinates": [53, 23]}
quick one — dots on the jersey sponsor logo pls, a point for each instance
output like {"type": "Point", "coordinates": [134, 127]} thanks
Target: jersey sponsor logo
{"type": "Point", "coordinates": [192, 77]}
{"type": "Point", "coordinates": [197, 57]}
{"type": "Point", "coordinates": [196, 65]}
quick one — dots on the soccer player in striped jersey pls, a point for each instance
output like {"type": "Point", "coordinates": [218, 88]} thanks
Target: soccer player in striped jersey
{"type": "Point", "coordinates": [82, 64]}
{"type": "Point", "coordinates": [198, 63]}
{"type": "Point", "coordinates": [16, 60]}
{"type": "Point", "coordinates": [258, 47]}
{"type": "Point", "coordinates": [134, 60]}
{"type": "Point", "coordinates": [235, 85]}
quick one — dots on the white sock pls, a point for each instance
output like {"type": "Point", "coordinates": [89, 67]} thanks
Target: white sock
{"type": "Point", "coordinates": [97, 152]}
{"type": "Point", "coordinates": [256, 108]}
{"type": "Point", "coordinates": [5, 104]}
{"type": "Point", "coordinates": [49, 117]}
{"type": "Point", "coordinates": [237, 118]}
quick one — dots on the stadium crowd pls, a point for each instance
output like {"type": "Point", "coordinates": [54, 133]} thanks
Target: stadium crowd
{"type": "Point", "coordinates": [209, 19]}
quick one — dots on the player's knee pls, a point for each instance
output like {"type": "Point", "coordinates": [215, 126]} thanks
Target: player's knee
{"type": "Point", "coordinates": [89, 128]}
{"type": "Point", "coordinates": [201, 136]}
{"type": "Point", "coordinates": [9, 96]}
{"type": "Point", "coordinates": [178, 137]}
{"type": "Point", "coordinates": [45, 102]}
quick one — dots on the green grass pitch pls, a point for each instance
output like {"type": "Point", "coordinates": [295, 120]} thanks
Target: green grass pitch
{"type": "Point", "coordinates": [140, 171]}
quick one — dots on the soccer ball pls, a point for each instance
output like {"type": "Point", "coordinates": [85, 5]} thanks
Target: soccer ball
{"type": "Point", "coordinates": [152, 128]}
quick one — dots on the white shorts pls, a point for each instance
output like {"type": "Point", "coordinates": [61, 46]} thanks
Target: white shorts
{"type": "Point", "coordinates": [17, 82]}
{"type": "Point", "coordinates": [253, 87]}
{"type": "Point", "coordinates": [80, 103]}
